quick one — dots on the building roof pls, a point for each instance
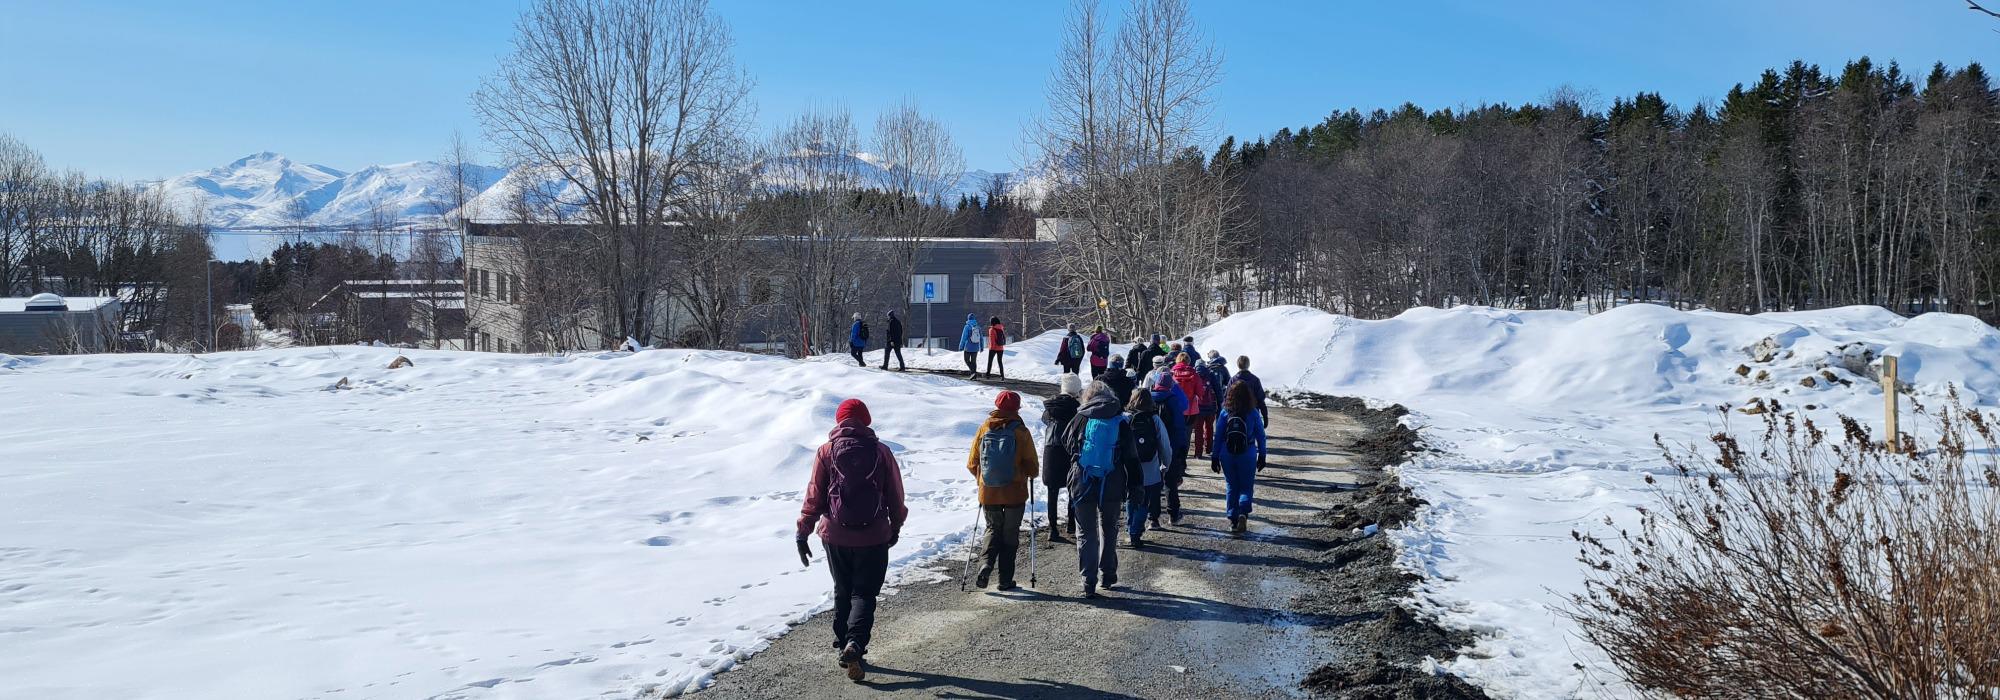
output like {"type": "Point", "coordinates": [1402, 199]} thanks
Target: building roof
{"type": "Point", "coordinates": [20, 304]}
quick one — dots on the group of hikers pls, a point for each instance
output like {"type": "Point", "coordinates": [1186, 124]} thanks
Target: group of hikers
{"type": "Point", "coordinates": [1117, 445]}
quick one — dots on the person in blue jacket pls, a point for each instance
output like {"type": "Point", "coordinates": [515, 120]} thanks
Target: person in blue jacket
{"type": "Point", "coordinates": [857, 339]}
{"type": "Point", "coordinates": [1172, 402]}
{"type": "Point", "coordinates": [968, 343]}
{"type": "Point", "coordinates": [1239, 453]}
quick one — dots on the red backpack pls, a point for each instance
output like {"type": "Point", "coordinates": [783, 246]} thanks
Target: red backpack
{"type": "Point", "coordinates": [854, 499]}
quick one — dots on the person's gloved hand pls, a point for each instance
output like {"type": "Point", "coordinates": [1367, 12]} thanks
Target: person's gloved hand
{"type": "Point", "coordinates": [895, 537]}
{"type": "Point", "coordinates": [805, 553]}
{"type": "Point", "coordinates": [1215, 465]}
{"type": "Point", "coordinates": [1260, 463]}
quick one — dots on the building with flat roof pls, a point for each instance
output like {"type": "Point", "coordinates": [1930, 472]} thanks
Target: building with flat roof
{"type": "Point", "coordinates": [953, 277]}
{"type": "Point", "coordinates": [48, 324]}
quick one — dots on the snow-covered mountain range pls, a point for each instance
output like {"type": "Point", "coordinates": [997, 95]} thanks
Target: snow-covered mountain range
{"type": "Point", "coordinates": [268, 190]}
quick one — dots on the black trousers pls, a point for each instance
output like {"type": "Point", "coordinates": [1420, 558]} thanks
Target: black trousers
{"type": "Point", "coordinates": [1071, 365]}
{"type": "Point", "coordinates": [857, 581]}
{"type": "Point", "coordinates": [895, 348]}
{"type": "Point", "coordinates": [1055, 491]}
{"type": "Point", "coordinates": [1176, 473]}
{"type": "Point", "coordinates": [856, 353]}
{"type": "Point", "coordinates": [999, 357]}
{"type": "Point", "coordinates": [972, 362]}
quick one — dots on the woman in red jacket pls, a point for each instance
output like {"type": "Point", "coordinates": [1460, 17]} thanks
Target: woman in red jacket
{"type": "Point", "coordinates": [996, 342]}
{"type": "Point", "coordinates": [855, 501]}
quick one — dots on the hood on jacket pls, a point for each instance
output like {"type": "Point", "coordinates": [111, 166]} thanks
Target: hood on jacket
{"type": "Point", "coordinates": [1142, 402]}
{"type": "Point", "coordinates": [1099, 401]}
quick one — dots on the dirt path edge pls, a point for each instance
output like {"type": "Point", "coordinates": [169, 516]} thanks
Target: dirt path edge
{"type": "Point", "coordinates": [1384, 650]}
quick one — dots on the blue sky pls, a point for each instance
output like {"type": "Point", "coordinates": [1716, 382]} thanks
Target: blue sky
{"type": "Point", "coordinates": [137, 90]}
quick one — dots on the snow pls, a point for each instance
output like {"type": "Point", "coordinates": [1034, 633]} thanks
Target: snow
{"type": "Point", "coordinates": [474, 526]}
{"type": "Point", "coordinates": [268, 190]}
{"type": "Point", "coordinates": [1543, 422]}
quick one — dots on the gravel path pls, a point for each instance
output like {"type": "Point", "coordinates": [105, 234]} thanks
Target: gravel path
{"type": "Point", "coordinates": [1197, 613]}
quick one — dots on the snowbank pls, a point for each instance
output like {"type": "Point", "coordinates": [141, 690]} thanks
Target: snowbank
{"type": "Point", "coordinates": [476, 526]}
{"type": "Point", "coordinates": [1544, 423]}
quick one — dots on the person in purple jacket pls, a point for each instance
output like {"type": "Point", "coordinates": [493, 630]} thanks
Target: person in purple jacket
{"type": "Point", "coordinates": [855, 501]}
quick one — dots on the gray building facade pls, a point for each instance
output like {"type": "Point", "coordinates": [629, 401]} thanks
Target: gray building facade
{"type": "Point", "coordinates": [47, 324]}
{"type": "Point", "coordinates": [978, 276]}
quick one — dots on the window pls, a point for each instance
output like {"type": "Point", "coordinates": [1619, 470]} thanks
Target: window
{"type": "Point", "coordinates": [940, 286]}
{"type": "Point", "coordinates": [517, 291]}
{"type": "Point", "coordinates": [503, 285]}
{"type": "Point", "coordinates": [987, 289]}
{"type": "Point", "coordinates": [485, 284]}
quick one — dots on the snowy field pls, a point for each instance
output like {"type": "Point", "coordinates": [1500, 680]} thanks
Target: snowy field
{"type": "Point", "coordinates": [1543, 422]}
{"type": "Point", "coordinates": [475, 526]}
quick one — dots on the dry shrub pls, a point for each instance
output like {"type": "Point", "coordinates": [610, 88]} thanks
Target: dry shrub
{"type": "Point", "coordinates": [1803, 564]}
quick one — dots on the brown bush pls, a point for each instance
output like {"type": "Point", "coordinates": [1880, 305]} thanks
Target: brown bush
{"type": "Point", "coordinates": [1802, 564]}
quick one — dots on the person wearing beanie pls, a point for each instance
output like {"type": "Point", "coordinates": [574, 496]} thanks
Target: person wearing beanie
{"type": "Point", "coordinates": [1114, 376]}
{"type": "Point", "coordinates": [1057, 410]}
{"type": "Point", "coordinates": [857, 529]}
{"type": "Point", "coordinates": [893, 343]}
{"type": "Point", "coordinates": [1172, 403]}
{"type": "Point", "coordinates": [1135, 358]}
{"type": "Point", "coordinates": [1196, 388]}
{"type": "Point", "coordinates": [857, 339]}
{"type": "Point", "coordinates": [1155, 451]}
{"type": "Point", "coordinates": [996, 348]}
{"type": "Point", "coordinates": [1003, 460]}
{"type": "Point", "coordinates": [968, 343]}
{"type": "Point", "coordinates": [1214, 378]}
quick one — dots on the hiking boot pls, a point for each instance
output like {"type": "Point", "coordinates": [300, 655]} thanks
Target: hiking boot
{"type": "Point", "coordinates": [1135, 540]}
{"type": "Point", "coordinates": [1090, 590]}
{"type": "Point", "coordinates": [1110, 579]}
{"type": "Point", "coordinates": [1008, 586]}
{"type": "Point", "coordinates": [1156, 522]}
{"type": "Point", "coordinates": [1175, 519]}
{"type": "Point", "coordinates": [850, 659]}
{"type": "Point", "coordinates": [985, 577]}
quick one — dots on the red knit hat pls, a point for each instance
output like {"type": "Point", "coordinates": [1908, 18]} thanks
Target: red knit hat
{"type": "Point", "coordinates": [1007, 401]}
{"type": "Point", "coordinates": [852, 412]}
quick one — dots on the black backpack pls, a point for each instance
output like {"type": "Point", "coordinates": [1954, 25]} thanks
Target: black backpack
{"type": "Point", "coordinates": [1236, 435]}
{"type": "Point", "coordinates": [1145, 436]}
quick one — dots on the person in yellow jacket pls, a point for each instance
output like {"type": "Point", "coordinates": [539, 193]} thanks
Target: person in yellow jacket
{"type": "Point", "coordinates": [1003, 459]}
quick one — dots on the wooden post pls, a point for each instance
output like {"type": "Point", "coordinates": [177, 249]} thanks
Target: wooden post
{"type": "Point", "coordinates": [1889, 391]}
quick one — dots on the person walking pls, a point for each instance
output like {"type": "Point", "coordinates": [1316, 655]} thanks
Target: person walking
{"type": "Point", "coordinates": [854, 500]}
{"type": "Point", "coordinates": [1003, 458]}
{"type": "Point", "coordinates": [1057, 411]}
{"type": "Point", "coordinates": [1196, 388]}
{"type": "Point", "coordinates": [1069, 353]}
{"type": "Point", "coordinates": [1101, 440]}
{"type": "Point", "coordinates": [968, 343]}
{"type": "Point", "coordinates": [1114, 376]}
{"type": "Point", "coordinates": [996, 348]}
{"type": "Point", "coordinates": [1173, 404]}
{"type": "Point", "coordinates": [1135, 358]}
{"type": "Point", "coordinates": [1243, 376]}
{"type": "Point", "coordinates": [894, 343]}
{"type": "Point", "coordinates": [1214, 378]}
{"type": "Point", "coordinates": [1100, 352]}
{"type": "Point", "coordinates": [1153, 448]}
{"type": "Point", "coordinates": [1154, 351]}
{"type": "Point", "coordinates": [1239, 454]}
{"type": "Point", "coordinates": [857, 339]}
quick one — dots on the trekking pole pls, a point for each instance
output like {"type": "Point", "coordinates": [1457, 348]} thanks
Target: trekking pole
{"type": "Point", "coordinates": [972, 549]}
{"type": "Point", "coordinates": [1034, 526]}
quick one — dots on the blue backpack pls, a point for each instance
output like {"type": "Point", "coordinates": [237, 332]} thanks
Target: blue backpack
{"type": "Point", "coordinates": [1100, 445]}
{"type": "Point", "coordinates": [997, 449]}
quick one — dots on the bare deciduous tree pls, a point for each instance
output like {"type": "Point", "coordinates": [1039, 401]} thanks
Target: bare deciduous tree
{"type": "Point", "coordinates": [623, 100]}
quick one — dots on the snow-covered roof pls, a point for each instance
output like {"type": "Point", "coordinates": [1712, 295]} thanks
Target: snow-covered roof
{"type": "Point", "coordinates": [20, 304]}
